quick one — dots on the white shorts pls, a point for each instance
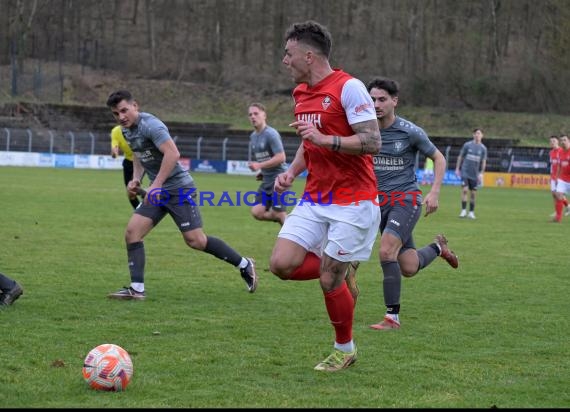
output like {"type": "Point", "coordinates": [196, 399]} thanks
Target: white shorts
{"type": "Point", "coordinates": [553, 185]}
{"type": "Point", "coordinates": [562, 186]}
{"type": "Point", "coordinates": [345, 233]}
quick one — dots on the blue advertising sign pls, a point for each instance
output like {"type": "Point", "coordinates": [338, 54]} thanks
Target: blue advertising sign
{"type": "Point", "coordinates": [208, 166]}
{"type": "Point", "coordinates": [65, 160]}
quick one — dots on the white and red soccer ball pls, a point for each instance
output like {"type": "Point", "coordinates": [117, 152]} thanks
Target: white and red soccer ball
{"type": "Point", "coordinates": [108, 367]}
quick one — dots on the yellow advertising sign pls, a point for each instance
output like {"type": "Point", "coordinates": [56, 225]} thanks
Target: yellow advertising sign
{"type": "Point", "coordinates": [516, 180]}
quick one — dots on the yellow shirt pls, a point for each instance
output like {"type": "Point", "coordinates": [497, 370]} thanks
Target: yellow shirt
{"type": "Point", "coordinates": [117, 139]}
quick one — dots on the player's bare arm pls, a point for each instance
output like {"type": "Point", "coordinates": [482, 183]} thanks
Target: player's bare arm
{"type": "Point", "coordinates": [431, 200]}
{"type": "Point", "coordinates": [284, 180]}
{"type": "Point", "coordinates": [483, 166]}
{"type": "Point", "coordinates": [366, 139]}
{"type": "Point", "coordinates": [135, 183]}
{"type": "Point", "coordinates": [458, 165]}
{"type": "Point", "coordinates": [274, 161]}
{"type": "Point", "coordinates": [369, 139]}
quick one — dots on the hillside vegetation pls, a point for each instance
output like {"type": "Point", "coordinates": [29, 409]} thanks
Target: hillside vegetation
{"type": "Point", "coordinates": [201, 102]}
{"type": "Point", "coordinates": [506, 55]}
{"type": "Point", "coordinates": [460, 63]}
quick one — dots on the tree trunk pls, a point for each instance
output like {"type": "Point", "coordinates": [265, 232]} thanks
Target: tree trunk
{"type": "Point", "coordinates": [151, 33]}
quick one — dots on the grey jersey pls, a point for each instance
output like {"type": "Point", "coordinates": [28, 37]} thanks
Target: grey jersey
{"type": "Point", "coordinates": [144, 139]}
{"type": "Point", "coordinates": [264, 145]}
{"type": "Point", "coordinates": [395, 164]}
{"type": "Point", "coordinates": [473, 154]}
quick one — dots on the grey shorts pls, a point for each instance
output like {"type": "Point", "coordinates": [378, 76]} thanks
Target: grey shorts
{"type": "Point", "coordinates": [400, 219]}
{"type": "Point", "coordinates": [185, 214]}
{"type": "Point", "coordinates": [267, 196]}
{"type": "Point", "coordinates": [470, 183]}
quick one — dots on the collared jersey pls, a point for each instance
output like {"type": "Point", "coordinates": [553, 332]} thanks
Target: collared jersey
{"type": "Point", "coordinates": [117, 139]}
{"type": "Point", "coordinates": [395, 164]}
{"type": "Point", "coordinates": [333, 105]}
{"type": "Point", "coordinates": [473, 155]}
{"type": "Point", "coordinates": [264, 145]}
{"type": "Point", "coordinates": [554, 162]}
{"type": "Point", "coordinates": [144, 139]}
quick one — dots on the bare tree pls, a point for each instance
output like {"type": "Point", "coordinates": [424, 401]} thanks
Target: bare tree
{"type": "Point", "coordinates": [150, 16]}
{"type": "Point", "coordinates": [489, 54]}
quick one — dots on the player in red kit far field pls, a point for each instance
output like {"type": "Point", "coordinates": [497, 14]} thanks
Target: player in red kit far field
{"type": "Point", "coordinates": [563, 177]}
{"type": "Point", "coordinates": [555, 150]}
{"type": "Point", "coordinates": [335, 118]}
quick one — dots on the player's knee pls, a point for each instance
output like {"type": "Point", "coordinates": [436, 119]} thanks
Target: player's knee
{"type": "Point", "coordinates": [132, 236]}
{"type": "Point", "coordinates": [408, 270]}
{"type": "Point", "coordinates": [257, 213]}
{"type": "Point", "coordinates": [327, 283]}
{"type": "Point", "coordinates": [280, 267]}
{"type": "Point", "coordinates": [387, 253]}
{"type": "Point", "coordinates": [409, 262]}
{"type": "Point", "coordinates": [195, 241]}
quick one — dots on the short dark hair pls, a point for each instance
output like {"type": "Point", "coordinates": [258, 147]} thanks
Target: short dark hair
{"type": "Point", "coordinates": [477, 128]}
{"type": "Point", "coordinates": [258, 105]}
{"type": "Point", "coordinates": [312, 34]}
{"type": "Point", "coordinates": [391, 86]}
{"type": "Point", "coordinates": [116, 97]}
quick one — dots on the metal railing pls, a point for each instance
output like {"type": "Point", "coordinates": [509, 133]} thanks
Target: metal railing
{"type": "Point", "coordinates": [49, 141]}
{"type": "Point", "coordinates": [225, 148]}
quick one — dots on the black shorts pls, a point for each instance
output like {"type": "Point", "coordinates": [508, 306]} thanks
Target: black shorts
{"type": "Point", "coordinates": [470, 183]}
{"type": "Point", "coordinates": [400, 219]}
{"type": "Point", "coordinates": [185, 214]}
{"type": "Point", "coordinates": [267, 196]}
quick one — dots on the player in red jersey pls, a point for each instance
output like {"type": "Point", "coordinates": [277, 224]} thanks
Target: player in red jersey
{"type": "Point", "coordinates": [337, 219]}
{"type": "Point", "coordinates": [554, 162]}
{"type": "Point", "coordinates": [562, 177]}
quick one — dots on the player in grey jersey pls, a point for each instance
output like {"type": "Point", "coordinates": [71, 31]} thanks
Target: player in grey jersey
{"type": "Point", "coordinates": [156, 154]}
{"type": "Point", "coordinates": [471, 164]}
{"type": "Point", "coordinates": [401, 199]}
{"type": "Point", "coordinates": [267, 150]}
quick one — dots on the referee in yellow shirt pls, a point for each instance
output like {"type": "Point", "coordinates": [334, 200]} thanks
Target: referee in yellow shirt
{"type": "Point", "coordinates": [119, 144]}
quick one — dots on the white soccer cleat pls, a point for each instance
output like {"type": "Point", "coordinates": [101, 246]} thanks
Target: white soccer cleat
{"type": "Point", "coordinates": [463, 213]}
{"type": "Point", "coordinates": [471, 215]}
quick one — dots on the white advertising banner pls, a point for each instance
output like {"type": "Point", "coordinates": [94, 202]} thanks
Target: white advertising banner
{"type": "Point", "coordinates": [60, 160]}
{"type": "Point", "coordinates": [239, 167]}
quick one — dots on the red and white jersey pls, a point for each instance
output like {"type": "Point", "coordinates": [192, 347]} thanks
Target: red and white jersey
{"type": "Point", "coordinates": [564, 158]}
{"type": "Point", "coordinates": [554, 162]}
{"type": "Point", "coordinates": [333, 105]}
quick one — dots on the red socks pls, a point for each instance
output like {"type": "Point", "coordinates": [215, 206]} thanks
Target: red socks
{"type": "Point", "coordinates": [339, 302]}
{"type": "Point", "coordinates": [340, 307]}
{"type": "Point", "coordinates": [559, 209]}
{"type": "Point", "coordinates": [309, 269]}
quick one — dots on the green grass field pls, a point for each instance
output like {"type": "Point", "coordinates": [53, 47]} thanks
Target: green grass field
{"type": "Point", "coordinates": [494, 332]}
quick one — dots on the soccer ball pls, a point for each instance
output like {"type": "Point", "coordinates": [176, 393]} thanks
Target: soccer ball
{"type": "Point", "coordinates": [108, 367]}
